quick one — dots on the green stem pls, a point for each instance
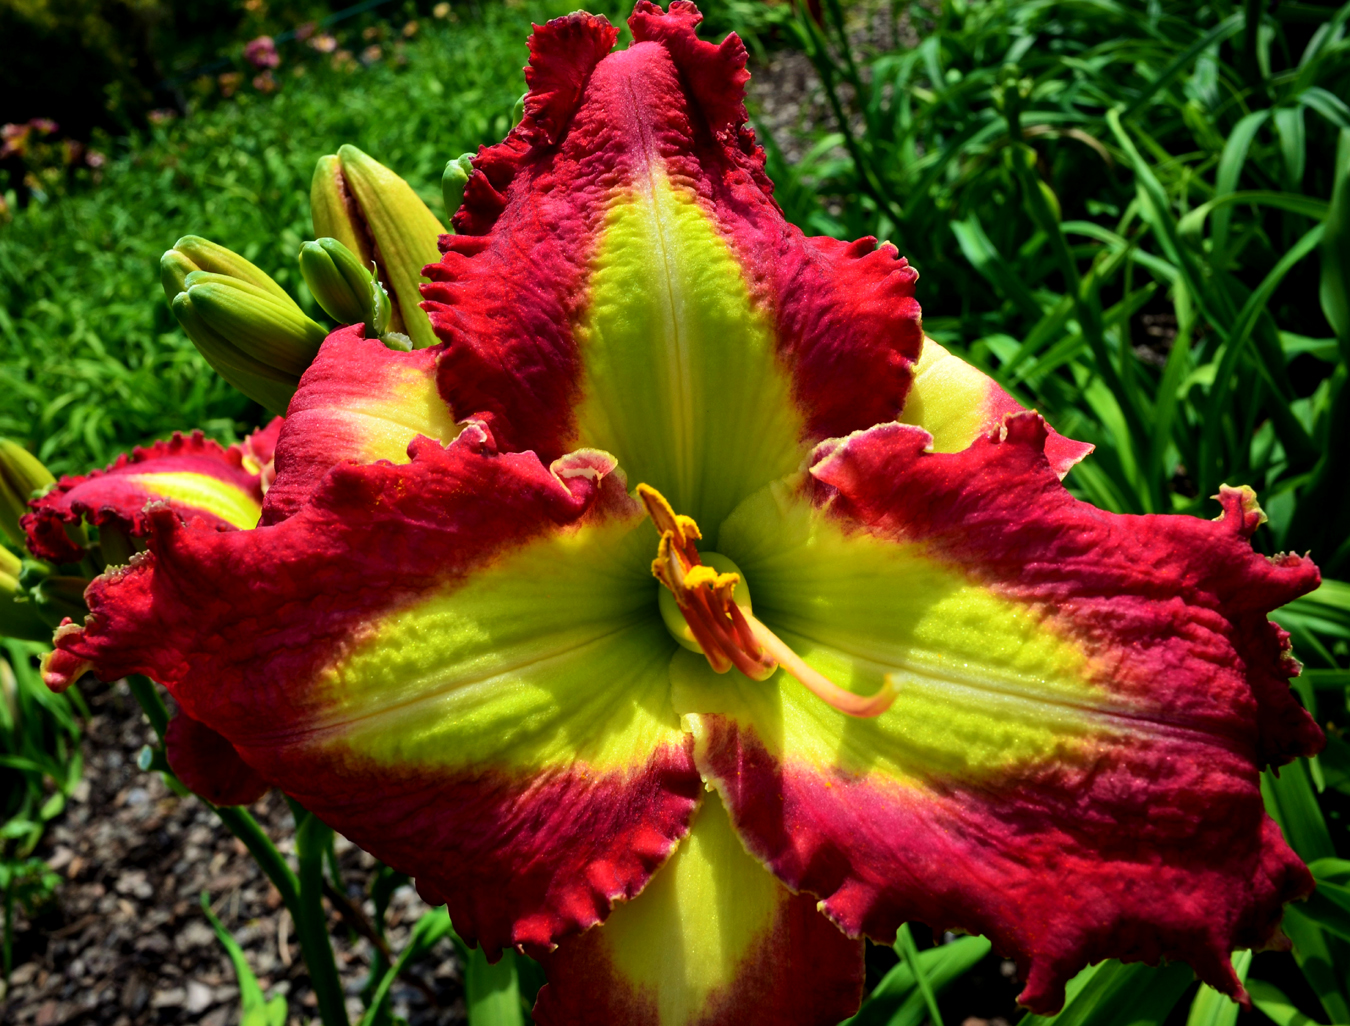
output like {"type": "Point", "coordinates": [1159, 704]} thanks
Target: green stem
{"type": "Point", "coordinates": [242, 824]}
{"type": "Point", "coordinates": [311, 837]}
{"type": "Point", "coordinates": [151, 704]}
{"type": "Point", "coordinates": [904, 940]}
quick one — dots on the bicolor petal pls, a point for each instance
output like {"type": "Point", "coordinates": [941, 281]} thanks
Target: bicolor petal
{"type": "Point", "coordinates": [714, 938]}
{"type": "Point", "coordinates": [623, 279]}
{"type": "Point", "coordinates": [958, 403]}
{"type": "Point", "coordinates": [358, 401]}
{"type": "Point", "coordinates": [455, 662]}
{"type": "Point", "coordinates": [1071, 763]}
{"type": "Point", "coordinates": [194, 476]}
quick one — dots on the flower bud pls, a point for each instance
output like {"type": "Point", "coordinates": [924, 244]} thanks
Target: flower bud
{"type": "Point", "coordinates": [347, 291]}
{"type": "Point", "coordinates": [335, 212]}
{"type": "Point", "coordinates": [174, 268]}
{"type": "Point", "coordinates": [208, 256]}
{"type": "Point", "coordinates": [276, 334]}
{"type": "Point", "coordinates": [271, 387]}
{"type": "Point", "coordinates": [362, 203]}
{"type": "Point", "coordinates": [454, 180]}
{"type": "Point", "coordinates": [18, 616]}
{"type": "Point", "coordinates": [21, 474]}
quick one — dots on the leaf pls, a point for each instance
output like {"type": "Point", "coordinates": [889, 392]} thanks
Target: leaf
{"type": "Point", "coordinates": [896, 1000]}
{"type": "Point", "coordinates": [1114, 994]}
{"type": "Point", "coordinates": [1271, 1000]}
{"type": "Point", "coordinates": [253, 1010]}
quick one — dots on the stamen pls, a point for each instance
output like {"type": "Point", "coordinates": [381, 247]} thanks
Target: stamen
{"type": "Point", "coordinates": [720, 622]}
{"type": "Point", "coordinates": [863, 706]}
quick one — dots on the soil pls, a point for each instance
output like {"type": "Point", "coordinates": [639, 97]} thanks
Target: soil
{"type": "Point", "coordinates": [126, 942]}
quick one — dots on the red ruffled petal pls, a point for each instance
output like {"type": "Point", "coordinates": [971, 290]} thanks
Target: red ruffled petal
{"type": "Point", "coordinates": [323, 649]}
{"type": "Point", "coordinates": [209, 765]}
{"type": "Point", "coordinates": [514, 285]}
{"type": "Point", "coordinates": [195, 476]}
{"type": "Point", "coordinates": [1140, 833]}
{"type": "Point", "coordinates": [359, 401]}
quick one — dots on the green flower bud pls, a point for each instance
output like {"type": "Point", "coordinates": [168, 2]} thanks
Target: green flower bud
{"type": "Point", "coordinates": [268, 385]}
{"type": "Point", "coordinates": [276, 334]}
{"type": "Point", "coordinates": [347, 291]}
{"type": "Point", "coordinates": [208, 256]}
{"type": "Point", "coordinates": [335, 212]}
{"type": "Point", "coordinates": [21, 474]}
{"type": "Point", "coordinates": [454, 180]}
{"type": "Point", "coordinates": [174, 267]}
{"type": "Point", "coordinates": [18, 616]}
{"type": "Point", "coordinates": [376, 214]}
{"type": "Point", "coordinates": [518, 110]}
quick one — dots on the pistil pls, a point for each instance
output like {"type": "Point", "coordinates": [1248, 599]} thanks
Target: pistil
{"type": "Point", "coordinates": [715, 606]}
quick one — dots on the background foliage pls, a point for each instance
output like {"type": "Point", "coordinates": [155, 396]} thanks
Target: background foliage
{"type": "Point", "coordinates": [1134, 213]}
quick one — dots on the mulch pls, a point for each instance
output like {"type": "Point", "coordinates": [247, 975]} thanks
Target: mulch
{"type": "Point", "coordinates": [126, 942]}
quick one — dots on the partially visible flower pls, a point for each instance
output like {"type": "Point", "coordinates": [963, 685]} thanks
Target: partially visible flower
{"type": "Point", "coordinates": [410, 29]}
{"type": "Point", "coordinates": [44, 126]}
{"type": "Point", "coordinates": [195, 477]}
{"type": "Point", "coordinates": [265, 83]}
{"type": "Point", "coordinates": [324, 42]}
{"type": "Point", "coordinates": [441, 10]}
{"type": "Point", "coordinates": [229, 82]}
{"type": "Point", "coordinates": [162, 116]}
{"type": "Point", "coordinates": [344, 61]}
{"type": "Point", "coordinates": [95, 159]}
{"type": "Point", "coordinates": [371, 54]}
{"type": "Point", "coordinates": [303, 32]}
{"type": "Point", "coordinates": [14, 139]}
{"type": "Point", "coordinates": [262, 52]}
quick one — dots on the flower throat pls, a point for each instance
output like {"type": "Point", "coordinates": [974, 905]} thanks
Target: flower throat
{"type": "Point", "coordinates": [706, 608]}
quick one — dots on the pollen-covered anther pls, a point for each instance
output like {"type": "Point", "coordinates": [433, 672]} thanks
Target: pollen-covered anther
{"type": "Point", "coordinates": [715, 607]}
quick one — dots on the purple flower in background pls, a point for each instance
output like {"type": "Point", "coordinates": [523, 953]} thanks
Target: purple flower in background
{"type": "Point", "coordinates": [262, 53]}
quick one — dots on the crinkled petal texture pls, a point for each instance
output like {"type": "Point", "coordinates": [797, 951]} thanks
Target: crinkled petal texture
{"type": "Point", "coordinates": [455, 662]}
{"type": "Point", "coordinates": [359, 401]}
{"type": "Point", "coordinates": [713, 939]}
{"type": "Point", "coordinates": [194, 476]}
{"type": "Point", "coordinates": [957, 404]}
{"type": "Point", "coordinates": [1071, 766]}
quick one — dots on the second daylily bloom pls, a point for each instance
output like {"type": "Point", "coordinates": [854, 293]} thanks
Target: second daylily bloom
{"type": "Point", "coordinates": [901, 674]}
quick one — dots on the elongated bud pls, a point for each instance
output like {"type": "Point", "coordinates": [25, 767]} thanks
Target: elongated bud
{"type": "Point", "coordinates": [276, 334]}
{"type": "Point", "coordinates": [271, 387]}
{"type": "Point", "coordinates": [402, 232]}
{"type": "Point", "coordinates": [209, 256]}
{"type": "Point", "coordinates": [174, 268]}
{"type": "Point", "coordinates": [21, 474]}
{"type": "Point", "coordinates": [454, 180]}
{"type": "Point", "coordinates": [18, 615]}
{"type": "Point", "coordinates": [335, 212]}
{"type": "Point", "coordinates": [347, 291]}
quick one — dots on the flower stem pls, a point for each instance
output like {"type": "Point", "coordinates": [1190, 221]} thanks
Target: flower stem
{"type": "Point", "coordinates": [311, 837]}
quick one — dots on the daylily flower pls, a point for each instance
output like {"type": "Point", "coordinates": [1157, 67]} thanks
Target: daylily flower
{"type": "Point", "coordinates": [902, 674]}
